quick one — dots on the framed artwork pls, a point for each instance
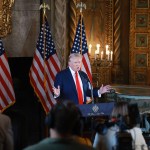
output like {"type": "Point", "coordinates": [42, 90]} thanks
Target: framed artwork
{"type": "Point", "coordinates": [140, 77]}
{"type": "Point", "coordinates": [141, 60]}
{"type": "Point", "coordinates": [142, 4]}
{"type": "Point", "coordinates": [141, 40]}
{"type": "Point", "coordinates": [141, 20]}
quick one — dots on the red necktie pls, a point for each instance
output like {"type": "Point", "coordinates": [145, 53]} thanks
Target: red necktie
{"type": "Point", "coordinates": [79, 91]}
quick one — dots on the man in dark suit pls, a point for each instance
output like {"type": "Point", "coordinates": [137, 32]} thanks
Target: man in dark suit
{"type": "Point", "coordinates": [65, 85]}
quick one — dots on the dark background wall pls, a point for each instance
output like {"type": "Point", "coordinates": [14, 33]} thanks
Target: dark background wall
{"type": "Point", "coordinates": [124, 45]}
{"type": "Point", "coordinates": [27, 114]}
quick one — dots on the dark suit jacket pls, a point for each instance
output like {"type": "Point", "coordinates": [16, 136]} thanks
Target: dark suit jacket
{"type": "Point", "coordinates": [68, 88]}
{"type": "Point", "coordinates": [6, 133]}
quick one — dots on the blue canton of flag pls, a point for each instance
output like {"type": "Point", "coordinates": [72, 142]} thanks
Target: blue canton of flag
{"type": "Point", "coordinates": [45, 44]}
{"type": "Point", "coordinates": [77, 41]}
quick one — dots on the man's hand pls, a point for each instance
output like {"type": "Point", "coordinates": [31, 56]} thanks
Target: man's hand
{"type": "Point", "coordinates": [104, 89]}
{"type": "Point", "coordinates": [56, 91]}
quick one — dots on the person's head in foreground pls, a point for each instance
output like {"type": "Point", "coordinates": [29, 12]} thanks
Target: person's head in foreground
{"type": "Point", "coordinates": [61, 121]}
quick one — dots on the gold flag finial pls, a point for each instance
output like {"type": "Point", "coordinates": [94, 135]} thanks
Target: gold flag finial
{"type": "Point", "coordinates": [11, 2]}
{"type": "Point", "coordinates": [81, 5]}
{"type": "Point", "coordinates": [44, 6]}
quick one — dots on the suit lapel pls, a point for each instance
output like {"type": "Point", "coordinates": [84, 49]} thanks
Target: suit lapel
{"type": "Point", "coordinates": [83, 80]}
{"type": "Point", "coordinates": [71, 81]}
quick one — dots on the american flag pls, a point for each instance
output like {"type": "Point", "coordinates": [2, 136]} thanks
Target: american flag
{"type": "Point", "coordinates": [44, 68]}
{"type": "Point", "coordinates": [7, 95]}
{"type": "Point", "coordinates": [76, 48]}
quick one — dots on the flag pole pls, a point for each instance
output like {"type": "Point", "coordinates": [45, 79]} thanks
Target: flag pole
{"type": "Point", "coordinates": [44, 6]}
{"type": "Point", "coordinates": [81, 6]}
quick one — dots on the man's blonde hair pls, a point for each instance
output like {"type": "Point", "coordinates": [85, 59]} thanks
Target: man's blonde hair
{"type": "Point", "coordinates": [73, 55]}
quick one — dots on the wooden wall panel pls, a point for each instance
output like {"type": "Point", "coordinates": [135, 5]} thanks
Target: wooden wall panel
{"type": "Point", "coordinates": [139, 42]}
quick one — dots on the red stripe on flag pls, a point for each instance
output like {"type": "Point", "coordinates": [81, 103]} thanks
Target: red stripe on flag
{"type": "Point", "coordinates": [48, 81]}
{"type": "Point", "coordinates": [4, 99]}
{"type": "Point", "coordinates": [55, 63]}
{"type": "Point", "coordinates": [50, 71]}
{"type": "Point", "coordinates": [7, 89]}
{"type": "Point", "coordinates": [5, 70]}
{"type": "Point", "coordinates": [87, 69]}
{"type": "Point", "coordinates": [39, 94]}
{"type": "Point", "coordinates": [40, 81]}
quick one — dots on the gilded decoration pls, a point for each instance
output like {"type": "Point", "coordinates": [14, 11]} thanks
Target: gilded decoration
{"type": "Point", "coordinates": [141, 60]}
{"type": "Point", "coordinates": [5, 17]}
{"type": "Point", "coordinates": [142, 4]}
{"type": "Point", "coordinates": [141, 20]}
{"type": "Point", "coordinates": [139, 42]}
{"type": "Point", "coordinates": [140, 77]}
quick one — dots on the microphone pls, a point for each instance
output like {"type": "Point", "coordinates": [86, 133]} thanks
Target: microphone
{"type": "Point", "coordinates": [91, 92]}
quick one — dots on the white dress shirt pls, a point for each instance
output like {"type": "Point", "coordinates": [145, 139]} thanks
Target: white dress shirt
{"type": "Point", "coordinates": [73, 75]}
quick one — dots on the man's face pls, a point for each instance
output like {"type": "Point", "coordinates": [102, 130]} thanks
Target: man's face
{"type": "Point", "coordinates": [75, 63]}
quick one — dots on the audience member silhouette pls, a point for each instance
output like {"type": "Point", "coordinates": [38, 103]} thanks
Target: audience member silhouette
{"type": "Point", "coordinates": [121, 120]}
{"type": "Point", "coordinates": [78, 131]}
{"type": "Point", "coordinates": [6, 133]}
{"type": "Point", "coordinates": [138, 142]}
{"type": "Point", "coordinates": [61, 121]}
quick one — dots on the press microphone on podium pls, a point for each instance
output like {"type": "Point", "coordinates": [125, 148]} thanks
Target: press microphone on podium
{"type": "Point", "coordinates": [86, 78]}
{"type": "Point", "coordinates": [91, 88]}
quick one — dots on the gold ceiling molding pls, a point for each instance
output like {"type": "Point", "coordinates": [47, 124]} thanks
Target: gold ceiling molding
{"type": "Point", "coordinates": [5, 17]}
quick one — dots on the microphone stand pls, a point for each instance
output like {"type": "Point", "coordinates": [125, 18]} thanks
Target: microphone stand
{"type": "Point", "coordinates": [92, 94]}
{"type": "Point", "coordinates": [92, 98]}
{"type": "Point", "coordinates": [91, 87]}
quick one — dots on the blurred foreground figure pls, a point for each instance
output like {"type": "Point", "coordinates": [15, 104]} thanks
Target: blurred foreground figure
{"type": "Point", "coordinates": [6, 133]}
{"type": "Point", "coordinates": [124, 120]}
{"type": "Point", "coordinates": [61, 121]}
